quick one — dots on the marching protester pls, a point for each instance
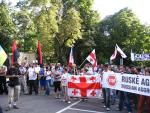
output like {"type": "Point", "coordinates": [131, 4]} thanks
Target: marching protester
{"type": "Point", "coordinates": [106, 91]}
{"type": "Point", "coordinates": [13, 86]}
{"type": "Point", "coordinates": [57, 82]}
{"type": "Point", "coordinates": [37, 72]}
{"type": "Point", "coordinates": [23, 78]}
{"type": "Point", "coordinates": [124, 96]}
{"type": "Point", "coordinates": [32, 76]}
{"type": "Point", "coordinates": [142, 99]}
{"type": "Point", "coordinates": [134, 96]}
{"type": "Point", "coordinates": [48, 75]}
{"type": "Point", "coordinates": [64, 85]}
{"type": "Point", "coordinates": [3, 87]}
{"type": "Point", "coordinates": [42, 78]}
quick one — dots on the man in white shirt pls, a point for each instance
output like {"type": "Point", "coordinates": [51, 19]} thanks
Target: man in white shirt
{"type": "Point", "coordinates": [32, 80]}
{"type": "Point", "coordinates": [106, 91]}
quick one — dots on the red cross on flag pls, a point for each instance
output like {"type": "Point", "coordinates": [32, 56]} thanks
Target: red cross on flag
{"type": "Point", "coordinates": [92, 58]}
{"type": "Point", "coordinates": [84, 86]}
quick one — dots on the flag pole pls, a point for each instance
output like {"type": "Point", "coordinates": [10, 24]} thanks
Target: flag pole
{"type": "Point", "coordinates": [82, 63]}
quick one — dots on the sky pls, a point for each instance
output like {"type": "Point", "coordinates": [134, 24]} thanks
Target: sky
{"type": "Point", "coordinates": [141, 8]}
{"type": "Point", "coordinates": [108, 7]}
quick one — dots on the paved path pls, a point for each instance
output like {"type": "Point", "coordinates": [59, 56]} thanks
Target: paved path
{"type": "Point", "coordinates": [47, 104]}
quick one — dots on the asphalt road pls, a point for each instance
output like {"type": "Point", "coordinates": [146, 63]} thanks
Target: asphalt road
{"type": "Point", "coordinates": [48, 104]}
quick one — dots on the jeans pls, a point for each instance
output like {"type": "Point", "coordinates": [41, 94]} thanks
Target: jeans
{"type": "Point", "coordinates": [48, 87]}
{"type": "Point", "coordinates": [123, 98]}
{"type": "Point", "coordinates": [113, 96]}
{"type": "Point", "coordinates": [23, 81]}
{"type": "Point", "coordinates": [106, 93]}
{"type": "Point", "coordinates": [13, 94]}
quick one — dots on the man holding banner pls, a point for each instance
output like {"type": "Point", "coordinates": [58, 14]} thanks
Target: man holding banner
{"type": "Point", "coordinates": [106, 91]}
{"type": "Point", "coordinates": [124, 96]}
{"type": "Point", "coordinates": [142, 99]}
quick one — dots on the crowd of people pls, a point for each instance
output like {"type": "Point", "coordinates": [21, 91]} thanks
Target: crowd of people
{"type": "Point", "coordinates": [34, 79]}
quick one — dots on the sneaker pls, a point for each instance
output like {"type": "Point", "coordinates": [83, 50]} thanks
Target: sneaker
{"type": "Point", "coordinates": [104, 106]}
{"type": "Point", "coordinates": [63, 100]}
{"type": "Point", "coordinates": [15, 107]}
{"type": "Point", "coordinates": [69, 102]}
{"type": "Point", "coordinates": [56, 97]}
{"type": "Point", "coordinates": [8, 109]}
{"type": "Point", "coordinates": [108, 109]}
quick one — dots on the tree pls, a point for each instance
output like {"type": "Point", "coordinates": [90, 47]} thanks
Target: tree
{"type": "Point", "coordinates": [88, 27]}
{"type": "Point", "coordinates": [7, 28]}
{"type": "Point", "coordinates": [69, 32]}
{"type": "Point", "coordinates": [122, 28]}
{"type": "Point", "coordinates": [26, 31]}
{"type": "Point", "coordinates": [47, 27]}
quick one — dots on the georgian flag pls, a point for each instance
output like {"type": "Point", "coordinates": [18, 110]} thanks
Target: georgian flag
{"type": "Point", "coordinates": [71, 59]}
{"type": "Point", "coordinates": [84, 86]}
{"type": "Point", "coordinates": [92, 58]}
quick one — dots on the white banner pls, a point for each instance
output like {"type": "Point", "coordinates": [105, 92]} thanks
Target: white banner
{"type": "Point", "coordinates": [138, 84]}
{"type": "Point", "coordinates": [140, 57]}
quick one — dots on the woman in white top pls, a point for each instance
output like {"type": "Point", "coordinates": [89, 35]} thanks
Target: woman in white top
{"type": "Point", "coordinates": [48, 81]}
{"type": "Point", "coordinates": [64, 84]}
{"type": "Point", "coordinates": [57, 82]}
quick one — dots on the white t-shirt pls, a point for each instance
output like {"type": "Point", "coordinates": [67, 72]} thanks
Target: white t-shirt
{"type": "Point", "coordinates": [57, 75]}
{"type": "Point", "coordinates": [22, 70]}
{"type": "Point", "coordinates": [37, 69]}
{"type": "Point", "coordinates": [31, 73]}
{"type": "Point", "coordinates": [64, 79]}
{"type": "Point", "coordinates": [48, 75]}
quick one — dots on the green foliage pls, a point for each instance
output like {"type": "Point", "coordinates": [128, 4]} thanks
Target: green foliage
{"type": "Point", "coordinates": [26, 31]}
{"type": "Point", "coordinates": [124, 29]}
{"type": "Point", "coordinates": [69, 29]}
{"type": "Point", "coordinates": [7, 28]}
{"type": "Point", "coordinates": [61, 24]}
{"type": "Point", "coordinates": [47, 28]}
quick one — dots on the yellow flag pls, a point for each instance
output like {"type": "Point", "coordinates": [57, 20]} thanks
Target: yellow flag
{"type": "Point", "coordinates": [3, 56]}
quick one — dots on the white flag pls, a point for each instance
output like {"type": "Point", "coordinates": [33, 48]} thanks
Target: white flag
{"type": "Point", "coordinates": [121, 52]}
{"type": "Point", "coordinates": [132, 56]}
{"type": "Point", "coordinates": [71, 59]}
{"type": "Point", "coordinates": [92, 58]}
{"type": "Point", "coordinates": [113, 56]}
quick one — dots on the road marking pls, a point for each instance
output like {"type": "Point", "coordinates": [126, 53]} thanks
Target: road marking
{"type": "Point", "coordinates": [64, 109]}
{"type": "Point", "coordinates": [85, 110]}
